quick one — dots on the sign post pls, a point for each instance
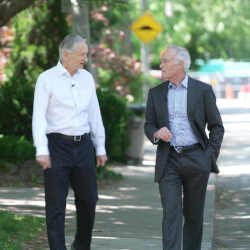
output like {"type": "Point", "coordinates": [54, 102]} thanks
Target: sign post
{"type": "Point", "coordinates": [146, 28]}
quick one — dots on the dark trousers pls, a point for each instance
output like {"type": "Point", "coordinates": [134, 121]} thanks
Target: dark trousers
{"type": "Point", "coordinates": [71, 163]}
{"type": "Point", "coordinates": [183, 191]}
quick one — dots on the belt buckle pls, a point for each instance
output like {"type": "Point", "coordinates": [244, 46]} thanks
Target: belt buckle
{"type": "Point", "coordinates": [178, 149]}
{"type": "Point", "coordinates": [77, 138]}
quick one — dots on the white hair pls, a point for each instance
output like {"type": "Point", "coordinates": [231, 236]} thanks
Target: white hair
{"type": "Point", "coordinates": [181, 55]}
{"type": "Point", "coordinates": [69, 44]}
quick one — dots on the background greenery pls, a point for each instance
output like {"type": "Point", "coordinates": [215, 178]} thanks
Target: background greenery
{"type": "Point", "coordinates": [17, 230]}
{"type": "Point", "coordinates": [209, 29]}
{"type": "Point", "coordinates": [16, 149]}
{"type": "Point", "coordinates": [115, 118]}
{"type": "Point", "coordinates": [32, 52]}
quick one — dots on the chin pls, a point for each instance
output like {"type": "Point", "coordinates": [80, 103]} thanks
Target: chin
{"type": "Point", "coordinates": [164, 77]}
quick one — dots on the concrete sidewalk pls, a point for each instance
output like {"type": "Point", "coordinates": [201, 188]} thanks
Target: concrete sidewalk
{"type": "Point", "coordinates": [128, 213]}
{"type": "Point", "coordinates": [232, 224]}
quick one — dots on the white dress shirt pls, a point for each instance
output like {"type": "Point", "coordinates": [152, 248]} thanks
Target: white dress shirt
{"type": "Point", "coordinates": [68, 105]}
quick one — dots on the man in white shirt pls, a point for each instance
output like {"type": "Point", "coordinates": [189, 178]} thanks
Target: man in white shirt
{"type": "Point", "coordinates": [67, 126]}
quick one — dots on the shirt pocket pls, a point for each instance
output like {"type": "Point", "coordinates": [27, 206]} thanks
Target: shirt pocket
{"type": "Point", "coordinates": [84, 98]}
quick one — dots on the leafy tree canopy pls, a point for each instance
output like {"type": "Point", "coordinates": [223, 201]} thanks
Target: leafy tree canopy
{"type": "Point", "coordinates": [208, 29]}
{"type": "Point", "coordinates": [9, 8]}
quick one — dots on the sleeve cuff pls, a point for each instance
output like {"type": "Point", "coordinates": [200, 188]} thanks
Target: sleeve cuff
{"type": "Point", "coordinates": [42, 151]}
{"type": "Point", "coordinates": [156, 140]}
{"type": "Point", "coordinates": [100, 150]}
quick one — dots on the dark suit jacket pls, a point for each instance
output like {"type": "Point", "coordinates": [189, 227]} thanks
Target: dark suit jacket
{"type": "Point", "coordinates": [202, 112]}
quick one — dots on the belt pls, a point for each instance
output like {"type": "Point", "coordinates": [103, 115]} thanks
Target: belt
{"type": "Point", "coordinates": [181, 149]}
{"type": "Point", "coordinates": [73, 138]}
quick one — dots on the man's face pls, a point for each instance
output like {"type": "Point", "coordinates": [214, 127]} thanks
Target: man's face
{"type": "Point", "coordinates": [78, 57]}
{"type": "Point", "coordinates": [169, 67]}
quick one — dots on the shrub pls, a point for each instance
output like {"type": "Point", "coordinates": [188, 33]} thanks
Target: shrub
{"type": "Point", "coordinates": [16, 230]}
{"type": "Point", "coordinates": [16, 101]}
{"type": "Point", "coordinates": [33, 51]}
{"type": "Point", "coordinates": [115, 118]}
{"type": "Point", "coordinates": [16, 149]}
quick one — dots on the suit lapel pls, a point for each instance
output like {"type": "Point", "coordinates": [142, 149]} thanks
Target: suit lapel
{"type": "Point", "coordinates": [190, 97]}
{"type": "Point", "coordinates": [163, 102]}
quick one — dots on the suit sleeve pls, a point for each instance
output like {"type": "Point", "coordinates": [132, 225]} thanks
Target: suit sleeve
{"type": "Point", "coordinates": [214, 122]}
{"type": "Point", "coordinates": [150, 119]}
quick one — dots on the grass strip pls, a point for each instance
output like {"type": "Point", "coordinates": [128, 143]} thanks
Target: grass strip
{"type": "Point", "coordinates": [15, 230]}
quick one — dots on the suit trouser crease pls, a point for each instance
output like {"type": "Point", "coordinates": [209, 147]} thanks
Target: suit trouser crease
{"type": "Point", "coordinates": [183, 191]}
{"type": "Point", "coordinates": [71, 163]}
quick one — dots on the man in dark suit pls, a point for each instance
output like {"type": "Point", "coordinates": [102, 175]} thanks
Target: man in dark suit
{"type": "Point", "coordinates": [177, 114]}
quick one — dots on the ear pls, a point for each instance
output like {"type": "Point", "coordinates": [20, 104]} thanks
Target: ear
{"type": "Point", "coordinates": [181, 63]}
{"type": "Point", "coordinates": [65, 54]}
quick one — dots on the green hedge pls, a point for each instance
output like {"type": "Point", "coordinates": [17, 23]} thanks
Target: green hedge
{"type": "Point", "coordinates": [32, 52]}
{"type": "Point", "coordinates": [16, 125]}
{"type": "Point", "coordinates": [16, 230]}
{"type": "Point", "coordinates": [115, 119]}
{"type": "Point", "coordinates": [16, 149]}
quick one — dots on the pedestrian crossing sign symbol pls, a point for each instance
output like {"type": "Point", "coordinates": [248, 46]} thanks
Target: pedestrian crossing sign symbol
{"type": "Point", "coordinates": [146, 27]}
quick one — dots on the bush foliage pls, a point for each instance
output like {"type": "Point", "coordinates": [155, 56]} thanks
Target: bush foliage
{"type": "Point", "coordinates": [16, 149]}
{"type": "Point", "coordinates": [38, 32]}
{"type": "Point", "coordinates": [16, 230]}
{"type": "Point", "coordinates": [32, 52]}
{"type": "Point", "coordinates": [115, 119]}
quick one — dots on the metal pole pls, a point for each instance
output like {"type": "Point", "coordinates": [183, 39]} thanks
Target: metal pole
{"type": "Point", "coordinates": [80, 21]}
{"type": "Point", "coordinates": [80, 18]}
{"type": "Point", "coordinates": [145, 58]}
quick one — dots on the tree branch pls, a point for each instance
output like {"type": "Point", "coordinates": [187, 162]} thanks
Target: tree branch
{"type": "Point", "coordinates": [9, 8]}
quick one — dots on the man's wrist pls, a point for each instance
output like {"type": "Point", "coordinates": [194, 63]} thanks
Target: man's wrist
{"type": "Point", "coordinates": [42, 151]}
{"type": "Point", "coordinates": [100, 150]}
{"type": "Point", "coordinates": [156, 140]}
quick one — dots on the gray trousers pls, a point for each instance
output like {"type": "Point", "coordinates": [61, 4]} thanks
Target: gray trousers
{"type": "Point", "coordinates": [183, 191]}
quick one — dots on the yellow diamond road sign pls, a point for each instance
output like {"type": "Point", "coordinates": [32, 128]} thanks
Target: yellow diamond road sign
{"type": "Point", "coordinates": [146, 27]}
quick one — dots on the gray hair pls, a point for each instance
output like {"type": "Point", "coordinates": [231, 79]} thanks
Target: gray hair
{"type": "Point", "coordinates": [69, 44]}
{"type": "Point", "coordinates": [181, 55]}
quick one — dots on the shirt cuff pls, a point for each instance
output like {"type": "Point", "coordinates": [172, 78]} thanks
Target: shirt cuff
{"type": "Point", "coordinates": [156, 140]}
{"type": "Point", "coordinates": [100, 150]}
{"type": "Point", "coordinates": [42, 151]}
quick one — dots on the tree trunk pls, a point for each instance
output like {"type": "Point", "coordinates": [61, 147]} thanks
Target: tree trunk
{"type": "Point", "coordinates": [9, 8]}
{"type": "Point", "coordinates": [80, 18]}
{"type": "Point", "coordinates": [80, 22]}
{"type": "Point", "coordinates": [127, 45]}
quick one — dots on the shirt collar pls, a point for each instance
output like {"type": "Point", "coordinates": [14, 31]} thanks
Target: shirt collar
{"type": "Point", "coordinates": [184, 83]}
{"type": "Point", "coordinates": [62, 70]}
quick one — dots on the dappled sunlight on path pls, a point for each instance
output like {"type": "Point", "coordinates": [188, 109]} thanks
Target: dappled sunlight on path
{"type": "Point", "coordinates": [233, 183]}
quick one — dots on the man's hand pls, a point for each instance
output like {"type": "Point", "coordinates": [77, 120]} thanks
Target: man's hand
{"type": "Point", "coordinates": [163, 134]}
{"type": "Point", "coordinates": [44, 161]}
{"type": "Point", "coordinates": [101, 160]}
